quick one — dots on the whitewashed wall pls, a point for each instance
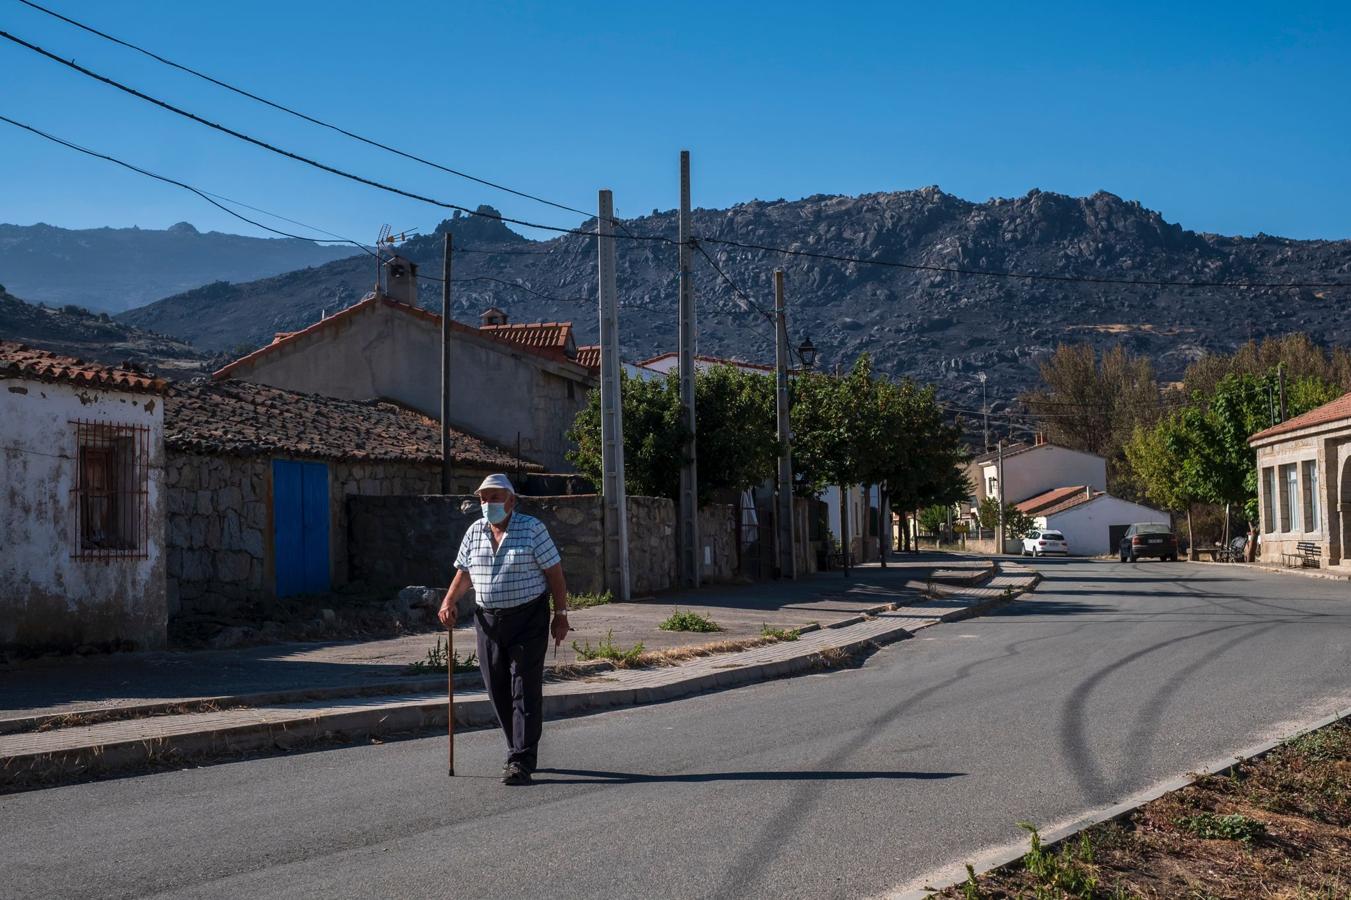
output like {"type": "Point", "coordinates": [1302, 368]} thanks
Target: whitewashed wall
{"type": "Point", "coordinates": [1045, 468]}
{"type": "Point", "coordinates": [48, 599]}
{"type": "Point", "coordinates": [1087, 527]}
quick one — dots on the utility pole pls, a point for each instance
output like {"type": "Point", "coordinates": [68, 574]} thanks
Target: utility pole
{"type": "Point", "coordinates": [611, 409]}
{"type": "Point", "coordinates": [689, 472]}
{"type": "Point", "coordinates": [985, 411]}
{"type": "Point", "coordinates": [1280, 379]}
{"type": "Point", "coordinates": [445, 368]}
{"type": "Point", "coordinates": [1000, 547]}
{"type": "Point", "coordinates": [784, 514]}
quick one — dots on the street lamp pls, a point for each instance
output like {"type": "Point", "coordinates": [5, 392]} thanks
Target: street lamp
{"type": "Point", "coordinates": [806, 351]}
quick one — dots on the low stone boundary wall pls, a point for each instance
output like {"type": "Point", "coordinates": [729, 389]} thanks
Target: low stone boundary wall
{"type": "Point", "coordinates": [396, 541]}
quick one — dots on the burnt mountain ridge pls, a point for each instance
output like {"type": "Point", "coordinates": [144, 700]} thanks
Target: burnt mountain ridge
{"type": "Point", "coordinates": [935, 326]}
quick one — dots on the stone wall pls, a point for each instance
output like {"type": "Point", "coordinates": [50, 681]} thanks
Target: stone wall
{"type": "Point", "coordinates": [652, 547]}
{"type": "Point", "coordinates": [394, 541]}
{"type": "Point", "coordinates": [219, 524]}
{"type": "Point", "coordinates": [717, 542]}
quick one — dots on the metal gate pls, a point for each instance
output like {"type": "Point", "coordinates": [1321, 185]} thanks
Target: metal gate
{"type": "Point", "coordinates": [300, 527]}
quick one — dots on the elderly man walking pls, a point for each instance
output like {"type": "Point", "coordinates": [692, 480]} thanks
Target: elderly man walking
{"type": "Point", "coordinates": [513, 567]}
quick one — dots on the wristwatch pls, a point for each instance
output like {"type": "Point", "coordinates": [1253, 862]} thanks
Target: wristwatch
{"type": "Point", "coordinates": [561, 612]}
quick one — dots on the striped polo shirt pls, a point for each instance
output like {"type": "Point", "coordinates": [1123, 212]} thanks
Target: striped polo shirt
{"type": "Point", "coordinates": [513, 573]}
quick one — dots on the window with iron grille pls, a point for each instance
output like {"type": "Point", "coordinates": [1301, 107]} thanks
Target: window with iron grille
{"type": "Point", "coordinates": [112, 490]}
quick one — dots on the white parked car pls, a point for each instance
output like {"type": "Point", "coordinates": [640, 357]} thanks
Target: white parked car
{"type": "Point", "coordinates": [1040, 543]}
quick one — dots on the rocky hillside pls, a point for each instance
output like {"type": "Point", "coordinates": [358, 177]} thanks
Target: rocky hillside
{"type": "Point", "coordinates": [114, 269]}
{"type": "Point", "coordinates": [935, 326]}
{"type": "Point", "coordinates": [98, 338]}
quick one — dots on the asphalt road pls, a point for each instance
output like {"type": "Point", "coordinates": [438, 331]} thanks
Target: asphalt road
{"type": "Point", "coordinates": [1107, 680]}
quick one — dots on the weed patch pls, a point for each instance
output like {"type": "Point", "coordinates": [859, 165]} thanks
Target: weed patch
{"type": "Point", "coordinates": [607, 649]}
{"type": "Point", "coordinates": [435, 661]}
{"type": "Point", "coordinates": [586, 601]}
{"type": "Point", "coordinates": [689, 621]}
{"type": "Point", "coordinates": [779, 634]}
{"type": "Point", "coordinates": [1233, 827]}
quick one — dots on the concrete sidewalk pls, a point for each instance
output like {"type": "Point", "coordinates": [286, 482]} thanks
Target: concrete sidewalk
{"type": "Point", "coordinates": [56, 755]}
{"type": "Point", "coordinates": [126, 684]}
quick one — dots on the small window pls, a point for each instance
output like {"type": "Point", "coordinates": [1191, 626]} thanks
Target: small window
{"type": "Point", "coordinates": [1289, 497]}
{"type": "Point", "coordinates": [112, 490]}
{"type": "Point", "coordinates": [1313, 520]}
{"type": "Point", "coordinates": [1269, 500]}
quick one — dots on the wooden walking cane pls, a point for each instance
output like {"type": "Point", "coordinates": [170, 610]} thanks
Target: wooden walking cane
{"type": "Point", "coordinates": [450, 694]}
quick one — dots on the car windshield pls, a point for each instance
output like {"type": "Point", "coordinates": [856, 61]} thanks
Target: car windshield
{"type": "Point", "coordinates": [1053, 536]}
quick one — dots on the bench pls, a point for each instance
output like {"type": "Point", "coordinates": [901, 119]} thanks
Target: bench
{"type": "Point", "coordinates": [1307, 555]}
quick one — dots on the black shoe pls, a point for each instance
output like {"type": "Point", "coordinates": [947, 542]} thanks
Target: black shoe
{"type": "Point", "coordinates": [516, 774]}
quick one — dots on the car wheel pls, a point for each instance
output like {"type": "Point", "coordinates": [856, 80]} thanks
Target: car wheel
{"type": "Point", "coordinates": [1130, 557]}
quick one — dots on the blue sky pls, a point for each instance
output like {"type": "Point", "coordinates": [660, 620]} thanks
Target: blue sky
{"type": "Point", "coordinates": [1227, 117]}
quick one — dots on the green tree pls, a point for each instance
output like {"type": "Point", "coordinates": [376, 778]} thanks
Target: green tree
{"type": "Point", "coordinates": [934, 519]}
{"type": "Point", "coordinates": [734, 416]}
{"type": "Point", "coordinates": [1016, 522]}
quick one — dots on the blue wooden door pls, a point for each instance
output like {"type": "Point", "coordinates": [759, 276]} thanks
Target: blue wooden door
{"type": "Point", "coordinates": [300, 526]}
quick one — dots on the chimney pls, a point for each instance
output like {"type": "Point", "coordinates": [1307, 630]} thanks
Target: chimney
{"type": "Point", "coordinates": [493, 316]}
{"type": "Point", "coordinates": [401, 280]}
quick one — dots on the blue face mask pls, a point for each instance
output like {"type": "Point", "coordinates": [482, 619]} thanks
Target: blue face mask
{"type": "Point", "coordinates": [495, 513]}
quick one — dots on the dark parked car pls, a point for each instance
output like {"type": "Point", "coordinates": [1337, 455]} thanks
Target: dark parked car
{"type": "Point", "coordinates": [1149, 539]}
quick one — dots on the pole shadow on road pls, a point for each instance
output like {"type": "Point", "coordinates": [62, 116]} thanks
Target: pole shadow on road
{"type": "Point", "coordinates": [593, 776]}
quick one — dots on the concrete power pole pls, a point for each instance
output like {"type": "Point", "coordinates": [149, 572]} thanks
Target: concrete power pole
{"type": "Point", "coordinates": [1280, 378]}
{"type": "Point", "coordinates": [784, 508]}
{"type": "Point", "coordinates": [1000, 537]}
{"type": "Point", "coordinates": [985, 411]}
{"type": "Point", "coordinates": [688, 513]}
{"type": "Point", "coordinates": [611, 410]}
{"type": "Point", "coordinates": [445, 368]}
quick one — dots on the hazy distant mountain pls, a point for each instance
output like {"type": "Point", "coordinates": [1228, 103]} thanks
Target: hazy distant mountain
{"type": "Point", "coordinates": [113, 269]}
{"type": "Point", "coordinates": [936, 326]}
{"type": "Point", "coordinates": [96, 337]}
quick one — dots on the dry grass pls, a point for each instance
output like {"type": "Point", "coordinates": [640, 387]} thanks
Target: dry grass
{"type": "Point", "coordinates": [1287, 817]}
{"type": "Point", "coordinates": [677, 655]}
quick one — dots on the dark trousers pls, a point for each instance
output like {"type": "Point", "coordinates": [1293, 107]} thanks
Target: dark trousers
{"type": "Point", "coordinates": [511, 649]}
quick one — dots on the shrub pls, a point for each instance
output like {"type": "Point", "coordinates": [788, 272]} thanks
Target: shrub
{"type": "Point", "coordinates": [688, 621]}
{"type": "Point", "coordinates": [607, 649]}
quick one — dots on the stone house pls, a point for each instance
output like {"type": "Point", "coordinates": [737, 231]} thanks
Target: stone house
{"type": "Point", "coordinates": [512, 384]}
{"type": "Point", "coordinates": [257, 480]}
{"type": "Point", "coordinates": [1304, 484]}
{"type": "Point", "coordinates": [82, 557]}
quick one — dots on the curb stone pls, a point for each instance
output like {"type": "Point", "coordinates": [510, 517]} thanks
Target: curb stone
{"type": "Point", "coordinates": [39, 760]}
{"type": "Point", "coordinates": [947, 876]}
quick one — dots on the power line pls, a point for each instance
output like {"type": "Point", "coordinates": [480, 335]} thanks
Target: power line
{"type": "Point", "coordinates": [205, 195]}
{"type": "Point", "coordinates": [208, 195]}
{"type": "Point", "coordinates": [811, 254]}
{"type": "Point", "coordinates": [324, 167]}
{"type": "Point", "coordinates": [300, 115]}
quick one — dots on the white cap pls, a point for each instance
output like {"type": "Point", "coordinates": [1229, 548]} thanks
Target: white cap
{"type": "Point", "coordinates": [495, 481]}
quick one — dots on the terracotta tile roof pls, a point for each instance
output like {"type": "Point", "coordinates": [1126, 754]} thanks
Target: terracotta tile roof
{"type": "Point", "coordinates": [553, 338]}
{"type": "Point", "coordinates": [239, 418]}
{"type": "Point", "coordinates": [283, 338]}
{"type": "Point", "coordinates": [1056, 500]}
{"type": "Point", "coordinates": [589, 356]}
{"type": "Point", "coordinates": [21, 361]}
{"type": "Point", "coordinates": [1328, 412]}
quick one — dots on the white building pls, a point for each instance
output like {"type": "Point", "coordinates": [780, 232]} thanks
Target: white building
{"type": "Point", "coordinates": [1033, 469]}
{"type": "Point", "coordinates": [82, 556]}
{"type": "Point", "coordinates": [1092, 521]}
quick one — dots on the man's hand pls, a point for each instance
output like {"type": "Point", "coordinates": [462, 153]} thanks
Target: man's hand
{"type": "Point", "coordinates": [560, 629]}
{"type": "Point", "coordinates": [447, 615]}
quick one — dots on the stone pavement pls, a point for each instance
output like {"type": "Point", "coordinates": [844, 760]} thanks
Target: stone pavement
{"type": "Point", "coordinates": [66, 753]}
{"type": "Point", "coordinates": [276, 672]}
